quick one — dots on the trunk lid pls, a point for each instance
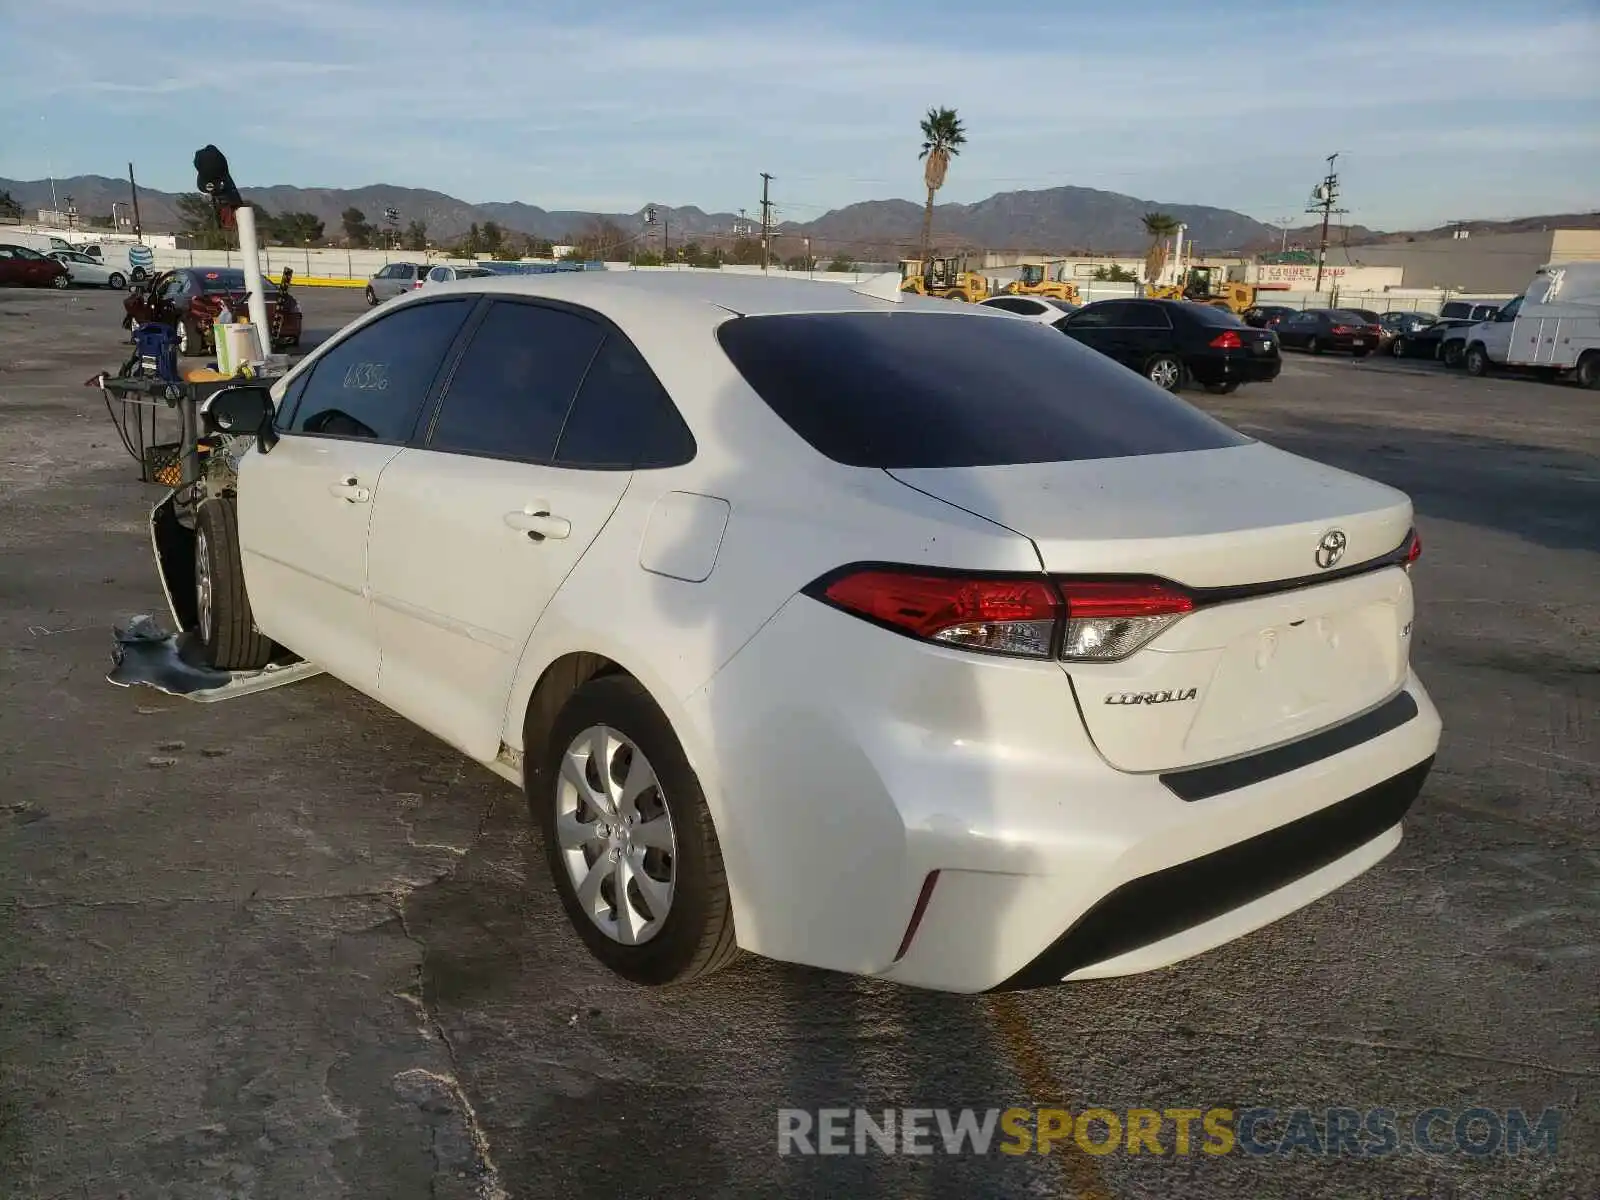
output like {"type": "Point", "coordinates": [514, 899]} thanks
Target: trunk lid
{"type": "Point", "coordinates": [1253, 665]}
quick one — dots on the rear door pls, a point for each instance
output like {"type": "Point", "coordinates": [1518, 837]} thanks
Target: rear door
{"type": "Point", "coordinates": [1100, 327]}
{"type": "Point", "coordinates": [305, 506]}
{"type": "Point", "coordinates": [477, 527]}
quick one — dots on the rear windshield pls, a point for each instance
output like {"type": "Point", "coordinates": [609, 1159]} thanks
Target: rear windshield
{"type": "Point", "coordinates": [1211, 314]}
{"type": "Point", "coordinates": [926, 389]}
{"type": "Point", "coordinates": [230, 281]}
{"type": "Point", "coordinates": [1344, 316]}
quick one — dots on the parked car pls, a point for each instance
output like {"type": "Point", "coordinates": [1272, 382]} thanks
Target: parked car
{"type": "Point", "coordinates": [396, 279]}
{"type": "Point", "coordinates": [444, 274]}
{"type": "Point", "coordinates": [1267, 316]}
{"type": "Point", "coordinates": [1376, 321]}
{"type": "Point", "coordinates": [1470, 310]}
{"type": "Point", "coordinates": [1318, 330]}
{"type": "Point", "coordinates": [1553, 327]}
{"type": "Point", "coordinates": [1428, 341]}
{"type": "Point", "coordinates": [1172, 342]}
{"type": "Point", "coordinates": [23, 266]}
{"type": "Point", "coordinates": [42, 243]}
{"type": "Point", "coordinates": [190, 298]}
{"type": "Point", "coordinates": [84, 269]}
{"type": "Point", "coordinates": [739, 581]}
{"type": "Point", "coordinates": [1034, 308]}
{"type": "Point", "coordinates": [1403, 326]}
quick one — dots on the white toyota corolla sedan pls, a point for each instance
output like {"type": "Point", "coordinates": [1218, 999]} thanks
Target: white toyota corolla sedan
{"type": "Point", "coordinates": [875, 633]}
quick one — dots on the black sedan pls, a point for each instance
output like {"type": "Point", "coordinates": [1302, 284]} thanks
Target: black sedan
{"type": "Point", "coordinates": [1321, 329]}
{"type": "Point", "coordinates": [1402, 327]}
{"type": "Point", "coordinates": [1425, 343]}
{"type": "Point", "coordinates": [1267, 316]}
{"type": "Point", "coordinates": [1171, 342]}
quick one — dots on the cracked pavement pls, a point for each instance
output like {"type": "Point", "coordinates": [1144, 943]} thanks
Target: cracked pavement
{"type": "Point", "coordinates": [290, 946]}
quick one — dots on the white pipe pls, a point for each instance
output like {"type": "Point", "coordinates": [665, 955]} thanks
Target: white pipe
{"type": "Point", "coordinates": [250, 251]}
{"type": "Point", "coordinates": [1177, 256]}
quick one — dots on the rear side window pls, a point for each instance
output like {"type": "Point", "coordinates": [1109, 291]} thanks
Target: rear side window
{"type": "Point", "coordinates": [373, 383]}
{"type": "Point", "coordinates": [510, 394]}
{"type": "Point", "coordinates": [926, 389]}
{"type": "Point", "coordinates": [623, 417]}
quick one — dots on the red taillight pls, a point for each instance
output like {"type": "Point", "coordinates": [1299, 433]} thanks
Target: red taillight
{"type": "Point", "coordinates": [1413, 549]}
{"type": "Point", "coordinates": [1343, 329]}
{"type": "Point", "coordinates": [1229, 340]}
{"type": "Point", "coordinates": [1031, 617]}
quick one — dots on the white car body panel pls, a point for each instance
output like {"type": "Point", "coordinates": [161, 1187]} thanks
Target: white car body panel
{"type": "Point", "coordinates": [842, 763]}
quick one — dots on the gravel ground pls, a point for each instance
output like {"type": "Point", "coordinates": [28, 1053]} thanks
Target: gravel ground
{"type": "Point", "coordinates": [289, 946]}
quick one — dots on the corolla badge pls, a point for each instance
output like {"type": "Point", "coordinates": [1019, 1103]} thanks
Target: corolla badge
{"type": "Point", "coordinates": [1164, 697]}
{"type": "Point", "coordinates": [1331, 548]}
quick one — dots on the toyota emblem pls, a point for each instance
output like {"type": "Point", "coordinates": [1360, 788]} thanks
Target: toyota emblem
{"type": "Point", "coordinates": [1331, 548]}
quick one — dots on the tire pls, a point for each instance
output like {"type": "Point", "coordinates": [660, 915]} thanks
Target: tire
{"type": "Point", "coordinates": [1477, 361]}
{"type": "Point", "coordinates": [116, 282]}
{"type": "Point", "coordinates": [372, 298]}
{"type": "Point", "coordinates": [138, 274]}
{"type": "Point", "coordinates": [1313, 346]}
{"type": "Point", "coordinates": [1450, 354]}
{"type": "Point", "coordinates": [226, 627]}
{"type": "Point", "coordinates": [1587, 374]}
{"type": "Point", "coordinates": [190, 342]}
{"type": "Point", "coordinates": [1165, 371]}
{"type": "Point", "coordinates": [61, 282]}
{"type": "Point", "coordinates": [1398, 347]}
{"type": "Point", "coordinates": [1222, 389]}
{"type": "Point", "coordinates": [695, 936]}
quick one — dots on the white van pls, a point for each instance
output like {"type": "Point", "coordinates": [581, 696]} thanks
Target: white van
{"type": "Point", "coordinates": [1553, 326]}
{"type": "Point", "coordinates": [44, 243]}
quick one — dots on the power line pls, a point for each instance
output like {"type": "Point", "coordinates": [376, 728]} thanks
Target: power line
{"type": "Point", "coordinates": [1323, 197]}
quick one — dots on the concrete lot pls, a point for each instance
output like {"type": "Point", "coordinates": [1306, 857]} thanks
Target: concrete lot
{"type": "Point", "coordinates": [289, 946]}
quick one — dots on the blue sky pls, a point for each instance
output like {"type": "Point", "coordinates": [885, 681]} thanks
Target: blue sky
{"type": "Point", "coordinates": [1441, 110]}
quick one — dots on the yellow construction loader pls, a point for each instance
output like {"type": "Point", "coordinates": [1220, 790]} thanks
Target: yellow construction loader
{"type": "Point", "coordinates": [947, 278]}
{"type": "Point", "coordinates": [1032, 281]}
{"type": "Point", "coordinates": [1201, 286]}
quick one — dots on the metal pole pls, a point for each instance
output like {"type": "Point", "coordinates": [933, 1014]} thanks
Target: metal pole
{"type": "Point", "coordinates": [250, 251]}
{"type": "Point", "coordinates": [138, 229]}
{"type": "Point", "coordinates": [766, 222]}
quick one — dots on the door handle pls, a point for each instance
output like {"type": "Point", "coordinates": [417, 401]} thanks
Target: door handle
{"type": "Point", "coordinates": [539, 524]}
{"type": "Point", "coordinates": [350, 489]}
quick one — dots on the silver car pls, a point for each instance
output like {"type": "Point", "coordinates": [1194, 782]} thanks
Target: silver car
{"type": "Point", "coordinates": [394, 280]}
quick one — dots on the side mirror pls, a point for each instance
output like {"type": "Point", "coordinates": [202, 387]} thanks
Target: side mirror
{"type": "Point", "coordinates": [246, 409]}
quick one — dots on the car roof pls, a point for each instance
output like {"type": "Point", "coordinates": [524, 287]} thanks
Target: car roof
{"type": "Point", "coordinates": [737, 293]}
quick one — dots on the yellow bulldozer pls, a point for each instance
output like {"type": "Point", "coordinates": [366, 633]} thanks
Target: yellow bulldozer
{"type": "Point", "coordinates": [1032, 280]}
{"type": "Point", "coordinates": [1202, 286]}
{"type": "Point", "coordinates": [947, 278]}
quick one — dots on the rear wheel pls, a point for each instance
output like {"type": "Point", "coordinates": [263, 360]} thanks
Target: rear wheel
{"type": "Point", "coordinates": [1588, 372]}
{"type": "Point", "coordinates": [372, 298]}
{"type": "Point", "coordinates": [226, 626]}
{"type": "Point", "coordinates": [1165, 371]}
{"type": "Point", "coordinates": [629, 839]}
{"type": "Point", "coordinates": [1314, 346]}
{"type": "Point", "coordinates": [1477, 360]}
{"type": "Point", "coordinates": [1398, 347]}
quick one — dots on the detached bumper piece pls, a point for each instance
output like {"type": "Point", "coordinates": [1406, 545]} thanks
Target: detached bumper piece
{"type": "Point", "coordinates": [145, 654]}
{"type": "Point", "coordinates": [1157, 906]}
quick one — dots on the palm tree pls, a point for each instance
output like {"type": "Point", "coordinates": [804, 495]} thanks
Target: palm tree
{"type": "Point", "coordinates": [1160, 227]}
{"type": "Point", "coordinates": [942, 139]}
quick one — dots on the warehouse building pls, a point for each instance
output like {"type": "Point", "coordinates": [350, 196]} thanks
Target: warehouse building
{"type": "Point", "coordinates": [1475, 264]}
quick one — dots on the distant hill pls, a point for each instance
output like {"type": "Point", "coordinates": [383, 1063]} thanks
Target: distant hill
{"type": "Point", "coordinates": [1050, 220]}
{"type": "Point", "coordinates": [1360, 235]}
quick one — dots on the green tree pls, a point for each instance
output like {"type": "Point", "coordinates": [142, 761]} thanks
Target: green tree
{"type": "Point", "coordinates": [357, 230]}
{"type": "Point", "coordinates": [416, 236]}
{"type": "Point", "coordinates": [1115, 273]}
{"type": "Point", "coordinates": [197, 218]}
{"type": "Point", "coordinates": [942, 139]}
{"type": "Point", "coordinates": [493, 238]}
{"type": "Point", "coordinates": [745, 251]}
{"type": "Point", "coordinates": [298, 228]}
{"type": "Point", "coordinates": [842, 262]}
{"type": "Point", "coordinates": [541, 248]}
{"type": "Point", "coordinates": [1160, 227]}
{"type": "Point", "coordinates": [797, 262]}
{"type": "Point", "coordinates": [9, 208]}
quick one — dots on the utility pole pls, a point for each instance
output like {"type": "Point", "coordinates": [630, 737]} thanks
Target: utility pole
{"type": "Point", "coordinates": [1323, 197]}
{"type": "Point", "coordinates": [138, 231]}
{"type": "Point", "coordinates": [666, 237]}
{"type": "Point", "coordinates": [766, 220]}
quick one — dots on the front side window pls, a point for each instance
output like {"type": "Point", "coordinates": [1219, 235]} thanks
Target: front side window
{"type": "Point", "coordinates": [373, 384]}
{"type": "Point", "coordinates": [510, 394]}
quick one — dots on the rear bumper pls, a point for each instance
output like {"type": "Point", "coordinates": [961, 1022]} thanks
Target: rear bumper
{"type": "Point", "coordinates": [850, 764]}
{"type": "Point", "coordinates": [1232, 368]}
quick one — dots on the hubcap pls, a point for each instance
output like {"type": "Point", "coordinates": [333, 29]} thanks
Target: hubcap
{"type": "Point", "coordinates": [615, 835]}
{"type": "Point", "coordinates": [202, 583]}
{"type": "Point", "coordinates": [1164, 373]}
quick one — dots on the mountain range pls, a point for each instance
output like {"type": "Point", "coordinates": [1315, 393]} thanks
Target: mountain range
{"type": "Point", "coordinates": [1050, 220]}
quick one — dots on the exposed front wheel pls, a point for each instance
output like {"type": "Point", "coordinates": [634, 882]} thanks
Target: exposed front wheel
{"type": "Point", "coordinates": [1588, 372]}
{"type": "Point", "coordinates": [1165, 371]}
{"type": "Point", "coordinates": [1450, 354]}
{"type": "Point", "coordinates": [1398, 347]}
{"type": "Point", "coordinates": [372, 298]}
{"type": "Point", "coordinates": [116, 282]}
{"type": "Point", "coordinates": [61, 282]}
{"type": "Point", "coordinates": [1477, 361]}
{"type": "Point", "coordinates": [224, 623]}
{"type": "Point", "coordinates": [629, 839]}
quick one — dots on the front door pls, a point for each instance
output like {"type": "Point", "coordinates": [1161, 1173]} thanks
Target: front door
{"type": "Point", "coordinates": [304, 507]}
{"type": "Point", "coordinates": [515, 483]}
